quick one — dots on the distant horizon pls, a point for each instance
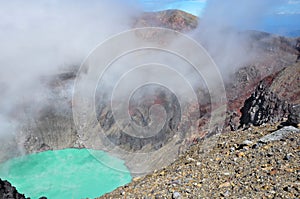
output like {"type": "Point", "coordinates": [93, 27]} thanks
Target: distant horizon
{"type": "Point", "coordinates": [282, 20]}
{"type": "Point", "coordinates": [197, 7]}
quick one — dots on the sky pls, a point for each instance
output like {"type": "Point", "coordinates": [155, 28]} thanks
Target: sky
{"type": "Point", "coordinates": [283, 19]}
{"type": "Point", "coordinates": [197, 7]}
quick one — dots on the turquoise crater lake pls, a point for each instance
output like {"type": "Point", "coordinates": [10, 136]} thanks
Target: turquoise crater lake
{"type": "Point", "coordinates": [69, 173]}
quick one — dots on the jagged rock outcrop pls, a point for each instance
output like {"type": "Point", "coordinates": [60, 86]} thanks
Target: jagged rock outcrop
{"type": "Point", "coordinates": [275, 60]}
{"type": "Point", "coordinates": [294, 116]}
{"type": "Point", "coordinates": [7, 191]}
{"type": "Point", "coordinates": [263, 107]}
{"type": "Point", "coordinates": [275, 98]}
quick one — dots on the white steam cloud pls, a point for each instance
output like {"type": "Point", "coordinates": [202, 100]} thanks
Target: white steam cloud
{"type": "Point", "coordinates": [221, 26]}
{"type": "Point", "coordinates": [43, 37]}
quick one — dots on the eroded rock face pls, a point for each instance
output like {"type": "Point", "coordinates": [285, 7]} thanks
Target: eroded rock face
{"type": "Point", "coordinates": [50, 125]}
{"type": "Point", "coordinates": [140, 115]}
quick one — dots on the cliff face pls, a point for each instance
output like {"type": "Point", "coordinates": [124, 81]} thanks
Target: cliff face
{"type": "Point", "coordinates": [52, 126]}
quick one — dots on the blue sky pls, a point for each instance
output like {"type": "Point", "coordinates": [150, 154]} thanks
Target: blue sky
{"type": "Point", "coordinates": [196, 7]}
{"type": "Point", "coordinates": [283, 19]}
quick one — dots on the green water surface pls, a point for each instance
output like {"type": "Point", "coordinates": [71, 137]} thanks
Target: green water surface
{"type": "Point", "coordinates": [69, 173]}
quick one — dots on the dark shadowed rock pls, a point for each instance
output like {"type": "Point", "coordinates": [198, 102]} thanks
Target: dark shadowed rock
{"type": "Point", "coordinates": [263, 106]}
{"type": "Point", "coordinates": [274, 99]}
{"type": "Point", "coordinates": [7, 191]}
{"type": "Point", "coordinates": [294, 116]}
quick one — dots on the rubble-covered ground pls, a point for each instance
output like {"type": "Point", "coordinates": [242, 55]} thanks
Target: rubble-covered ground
{"type": "Point", "coordinates": [239, 164]}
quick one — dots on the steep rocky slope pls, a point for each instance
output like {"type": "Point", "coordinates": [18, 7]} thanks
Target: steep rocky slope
{"type": "Point", "coordinates": [260, 160]}
{"type": "Point", "coordinates": [240, 164]}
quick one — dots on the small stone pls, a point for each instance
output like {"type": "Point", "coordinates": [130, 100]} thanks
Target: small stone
{"type": "Point", "coordinates": [136, 179]}
{"type": "Point", "coordinates": [255, 146]}
{"type": "Point", "coordinates": [122, 193]}
{"type": "Point", "coordinates": [273, 172]}
{"type": "Point", "coordinates": [176, 195]}
{"type": "Point", "coordinates": [288, 156]}
{"type": "Point", "coordinates": [198, 163]}
{"type": "Point", "coordinates": [218, 158]}
{"type": "Point", "coordinates": [241, 154]}
{"type": "Point", "coordinates": [187, 190]}
{"type": "Point", "coordinates": [247, 142]}
{"type": "Point", "coordinates": [226, 194]}
{"type": "Point", "coordinates": [158, 196]}
{"type": "Point", "coordinates": [232, 149]}
{"type": "Point", "coordinates": [225, 184]}
{"type": "Point", "coordinates": [270, 155]}
{"type": "Point", "coordinates": [190, 159]}
{"type": "Point", "coordinates": [290, 170]}
{"type": "Point", "coordinates": [287, 189]}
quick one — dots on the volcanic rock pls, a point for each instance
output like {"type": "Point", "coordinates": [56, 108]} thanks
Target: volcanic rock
{"type": "Point", "coordinates": [294, 116]}
{"type": "Point", "coordinates": [262, 172]}
{"type": "Point", "coordinates": [7, 191]}
{"type": "Point", "coordinates": [279, 134]}
{"type": "Point", "coordinates": [262, 107]}
{"type": "Point", "coordinates": [173, 19]}
{"type": "Point", "coordinates": [274, 99]}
